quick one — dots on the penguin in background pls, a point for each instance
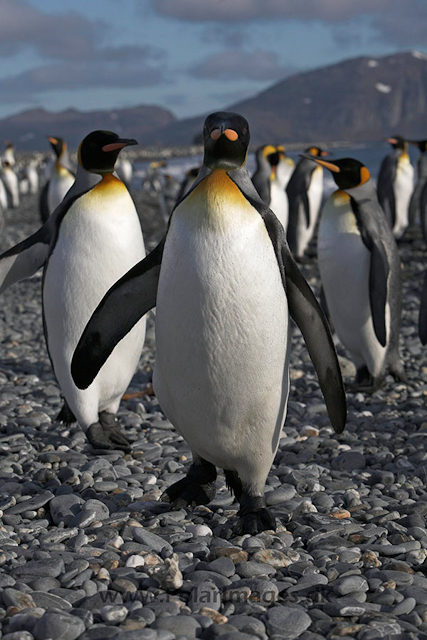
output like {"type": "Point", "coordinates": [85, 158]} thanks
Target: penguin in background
{"type": "Point", "coordinates": [92, 238]}
{"type": "Point", "coordinates": [361, 273]}
{"type": "Point", "coordinates": [32, 176]}
{"type": "Point", "coordinates": [224, 283]}
{"type": "Point", "coordinates": [11, 184]}
{"type": "Point", "coordinates": [9, 154]}
{"type": "Point", "coordinates": [395, 185]}
{"type": "Point", "coordinates": [60, 181]}
{"type": "Point", "coordinates": [124, 171]}
{"type": "Point", "coordinates": [187, 182]}
{"type": "Point", "coordinates": [305, 191]}
{"type": "Point", "coordinates": [266, 182]}
{"type": "Point", "coordinates": [285, 167]}
{"type": "Point", "coordinates": [421, 181]}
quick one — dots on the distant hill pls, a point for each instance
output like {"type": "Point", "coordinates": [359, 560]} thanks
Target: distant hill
{"type": "Point", "coordinates": [28, 130]}
{"type": "Point", "coordinates": [361, 99]}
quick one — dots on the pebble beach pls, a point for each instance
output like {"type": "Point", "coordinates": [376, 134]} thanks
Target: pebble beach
{"type": "Point", "coordinates": [87, 550]}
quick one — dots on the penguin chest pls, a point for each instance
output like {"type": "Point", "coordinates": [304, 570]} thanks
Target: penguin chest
{"type": "Point", "coordinates": [221, 327]}
{"type": "Point", "coordinates": [314, 194]}
{"type": "Point", "coordinates": [99, 240]}
{"type": "Point", "coordinates": [60, 183]}
{"type": "Point", "coordinates": [403, 187]}
{"type": "Point", "coordinates": [344, 263]}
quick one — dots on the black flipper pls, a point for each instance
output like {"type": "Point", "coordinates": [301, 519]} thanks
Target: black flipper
{"type": "Point", "coordinates": [422, 320]}
{"type": "Point", "coordinates": [43, 206]}
{"type": "Point", "coordinates": [385, 181]}
{"type": "Point", "coordinates": [379, 267]}
{"type": "Point", "coordinates": [123, 305]}
{"type": "Point", "coordinates": [303, 308]}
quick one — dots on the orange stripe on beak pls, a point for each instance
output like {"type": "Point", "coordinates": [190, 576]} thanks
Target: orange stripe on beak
{"type": "Point", "coordinates": [113, 146]}
{"type": "Point", "coordinates": [231, 135]}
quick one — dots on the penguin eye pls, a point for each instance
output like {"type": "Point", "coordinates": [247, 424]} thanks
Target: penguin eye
{"type": "Point", "coordinates": [244, 130]}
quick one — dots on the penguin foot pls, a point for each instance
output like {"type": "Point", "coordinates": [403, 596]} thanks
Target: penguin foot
{"type": "Point", "coordinates": [198, 487]}
{"type": "Point", "coordinates": [66, 415]}
{"type": "Point", "coordinates": [254, 517]}
{"type": "Point", "coordinates": [105, 434]}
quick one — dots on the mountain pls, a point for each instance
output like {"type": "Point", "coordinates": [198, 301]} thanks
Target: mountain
{"type": "Point", "coordinates": [28, 130]}
{"type": "Point", "coordinates": [361, 99]}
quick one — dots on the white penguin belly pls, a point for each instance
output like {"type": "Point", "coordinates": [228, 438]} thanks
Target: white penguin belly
{"type": "Point", "coordinates": [60, 183]}
{"type": "Point", "coordinates": [99, 240]}
{"type": "Point", "coordinates": [11, 182]}
{"type": "Point", "coordinates": [403, 187]}
{"type": "Point", "coordinates": [279, 202]}
{"type": "Point", "coordinates": [344, 264]}
{"type": "Point", "coordinates": [221, 372]}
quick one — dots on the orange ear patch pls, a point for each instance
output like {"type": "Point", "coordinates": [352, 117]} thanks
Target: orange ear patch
{"type": "Point", "coordinates": [364, 175]}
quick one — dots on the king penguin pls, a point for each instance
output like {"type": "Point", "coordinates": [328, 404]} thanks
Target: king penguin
{"type": "Point", "coordinates": [267, 183]}
{"type": "Point", "coordinates": [415, 202]}
{"type": "Point", "coordinates": [9, 153]}
{"type": "Point", "coordinates": [60, 181]}
{"type": "Point", "coordinates": [361, 273]}
{"type": "Point", "coordinates": [285, 167]}
{"type": "Point", "coordinates": [224, 283]}
{"type": "Point", "coordinates": [92, 238]}
{"type": "Point", "coordinates": [395, 185]}
{"type": "Point", "coordinates": [305, 190]}
{"type": "Point", "coordinates": [11, 183]}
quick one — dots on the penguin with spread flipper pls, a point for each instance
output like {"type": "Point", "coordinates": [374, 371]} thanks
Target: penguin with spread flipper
{"type": "Point", "coordinates": [92, 238]}
{"type": "Point", "coordinates": [361, 273]}
{"type": "Point", "coordinates": [225, 286]}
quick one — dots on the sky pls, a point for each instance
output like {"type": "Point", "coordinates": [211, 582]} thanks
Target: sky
{"type": "Point", "coordinates": [188, 56]}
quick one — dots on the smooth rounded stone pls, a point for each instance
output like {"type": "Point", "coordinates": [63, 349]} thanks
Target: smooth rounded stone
{"type": "Point", "coordinates": [6, 581]}
{"type": "Point", "coordinates": [204, 576]}
{"type": "Point", "coordinates": [60, 626]}
{"type": "Point", "coordinates": [236, 554]}
{"type": "Point", "coordinates": [179, 625]}
{"type": "Point", "coordinates": [404, 607]}
{"type": "Point", "coordinates": [349, 585]}
{"type": "Point", "coordinates": [114, 614]}
{"type": "Point", "coordinates": [418, 593]}
{"type": "Point", "coordinates": [308, 583]}
{"type": "Point", "coordinates": [247, 624]}
{"type": "Point", "coordinates": [96, 601]}
{"type": "Point", "coordinates": [15, 598]}
{"type": "Point", "coordinates": [99, 632]}
{"type": "Point", "coordinates": [263, 591]}
{"type": "Point", "coordinates": [224, 566]}
{"type": "Point", "coordinates": [286, 622]}
{"type": "Point", "coordinates": [50, 567]}
{"type": "Point", "coordinates": [18, 635]}
{"type": "Point", "coordinates": [33, 503]}
{"type": "Point", "coordinates": [83, 519]}
{"type": "Point", "coordinates": [349, 461]}
{"type": "Point", "coordinates": [276, 558]}
{"type": "Point", "coordinates": [199, 530]}
{"type": "Point", "coordinates": [48, 600]}
{"type": "Point", "coordinates": [64, 507]}
{"type": "Point", "coordinates": [162, 606]}
{"type": "Point", "coordinates": [134, 561]}
{"type": "Point", "coordinates": [140, 634]}
{"type": "Point", "coordinates": [252, 569]}
{"type": "Point", "coordinates": [284, 493]}
{"type": "Point", "coordinates": [151, 540]}
{"type": "Point", "coordinates": [205, 594]}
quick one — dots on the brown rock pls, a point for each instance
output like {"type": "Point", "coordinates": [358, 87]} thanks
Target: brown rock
{"type": "Point", "coordinates": [237, 555]}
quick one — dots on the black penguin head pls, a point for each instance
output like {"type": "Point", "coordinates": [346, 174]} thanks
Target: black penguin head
{"type": "Point", "coordinates": [397, 142]}
{"type": "Point", "coordinates": [421, 144]}
{"type": "Point", "coordinates": [347, 172]}
{"type": "Point", "coordinates": [8, 144]}
{"type": "Point", "coordinates": [226, 139]}
{"type": "Point", "coordinates": [58, 145]}
{"type": "Point", "coordinates": [98, 152]}
{"type": "Point", "coordinates": [316, 151]}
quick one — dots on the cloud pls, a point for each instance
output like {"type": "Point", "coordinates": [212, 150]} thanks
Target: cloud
{"type": "Point", "coordinates": [243, 10]}
{"type": "Point", "coordinates": [68, 36]}
{"type": "Point", "coordinates": [121, 67]}
{"type": "Point", "coordinates": [237, 64]}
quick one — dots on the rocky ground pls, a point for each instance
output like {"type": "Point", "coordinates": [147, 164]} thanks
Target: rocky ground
{"type": "Point", "coordinates": [87, 551]}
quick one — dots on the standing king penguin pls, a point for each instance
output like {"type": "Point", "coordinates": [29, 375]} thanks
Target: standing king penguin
{"type": "Point", "coordinates": [285, 167]}
{"type": "Point", "coordinates": [222, 328]}
{"type": "Point", "coordinates": [11, 184]}
{"type": "Point", "coordinates": [305, 190]}
{"type": "Point", "coordinates": [361, 273]}
{"type": "Point", "coordinates": [267, 183]}
{"type": "Point", "coordinates": [92, 239]}
{"type": "Point", "coordinates": [395, 185]}
{"type": "Point", "coordinates": [60, 181]}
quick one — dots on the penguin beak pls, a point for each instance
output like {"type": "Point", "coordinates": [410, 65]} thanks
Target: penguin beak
{"type": "Point", "coordinates": [328, 165]}
{"type": "Point", "coordinates": [52, 140]}
{"type": "Point", "coordinates": [119, 144]}
{"type": "Point", "coordinates": [391, 140]}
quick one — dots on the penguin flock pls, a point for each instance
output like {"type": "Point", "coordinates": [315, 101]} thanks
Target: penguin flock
{"type": "Point", "coordinates": [225, 283]}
